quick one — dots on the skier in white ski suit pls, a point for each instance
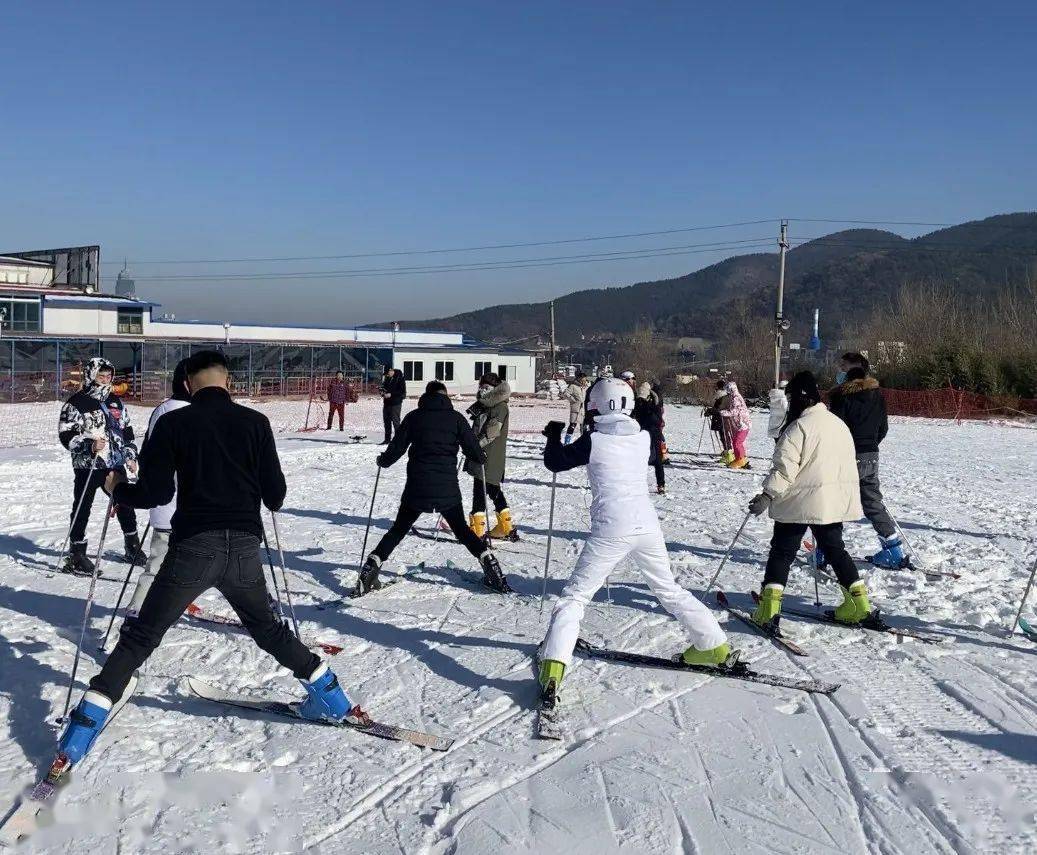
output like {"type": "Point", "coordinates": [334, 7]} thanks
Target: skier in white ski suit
{"type": "Point", "coordinates": [624, 524]}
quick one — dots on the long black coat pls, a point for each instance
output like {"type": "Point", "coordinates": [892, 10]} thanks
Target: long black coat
{"type": "Point", "coordinates": [433, 433]}
{"type": "Point", "coordinates": [395, 387]}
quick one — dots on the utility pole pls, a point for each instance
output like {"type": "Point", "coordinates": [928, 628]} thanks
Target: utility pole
{"type": "Point", "coordinates": [554, 352]}
{"type": "Point", "coordinates": [780, 323]}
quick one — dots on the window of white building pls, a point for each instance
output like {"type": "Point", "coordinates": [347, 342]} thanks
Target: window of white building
{"type": "Point", "coordinates": [413, 370]}
{"type": "Point", "coordinates": [20, 314]}
{"type": "Point", "coordinates": [445, 371]}
{"type": "Point", "coordinates": [131, 321]}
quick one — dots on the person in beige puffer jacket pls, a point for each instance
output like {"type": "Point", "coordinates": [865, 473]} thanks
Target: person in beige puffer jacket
{"type": "Point", "coordinates": [813, 483]}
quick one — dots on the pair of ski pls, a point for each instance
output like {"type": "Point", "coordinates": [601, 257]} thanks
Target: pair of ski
{"type": "Point", "coordinates": [387, 580]}
{"type": "Point", "coordinates": [197, 613]}
{"type": "Point", "coordinates": [550, 718]}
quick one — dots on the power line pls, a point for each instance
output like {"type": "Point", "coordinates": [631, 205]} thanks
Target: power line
{"type": "Point", "coordinates": [453, 249]}
{"type": "Point", "coordinates": [546, 261]}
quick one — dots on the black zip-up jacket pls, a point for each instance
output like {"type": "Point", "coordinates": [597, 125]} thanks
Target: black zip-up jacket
{"type": "Point", "coordinates": [224, 461]}
{"type": "Point", "coordinates": [859, 403]}
{"type": "Point", "coordinates": [432, 435]}
{"type": "Point", "coordinates": [396, 387]}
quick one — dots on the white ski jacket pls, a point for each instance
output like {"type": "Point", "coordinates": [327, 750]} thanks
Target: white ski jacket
{"type": "Point", "coordinates": [813, 477]}
{"type": "Point", "coordinates": [616, 456]}
{"type": "Point", "coordinates": [161, 517]}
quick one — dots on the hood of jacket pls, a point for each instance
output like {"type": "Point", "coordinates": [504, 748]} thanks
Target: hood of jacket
{"type": "Point", "coordinates": [434, 401]}
{"type": "Point", "coordinates": [852, 387]}
{"type": "Point", "coordinates": [497, 395]}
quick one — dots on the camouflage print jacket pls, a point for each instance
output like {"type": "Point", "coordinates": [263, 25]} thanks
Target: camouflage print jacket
{"type": "Point", "coordinates": [85, 417]}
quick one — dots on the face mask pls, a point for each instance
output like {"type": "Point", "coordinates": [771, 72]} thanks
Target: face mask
{"type": "Point", "coordinates": [840, 378]}
{"type": "Point", "coordinates": [485, 390]}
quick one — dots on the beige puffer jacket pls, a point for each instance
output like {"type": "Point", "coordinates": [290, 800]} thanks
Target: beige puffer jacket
{"type": "Point", "coordinates": [813, 477]}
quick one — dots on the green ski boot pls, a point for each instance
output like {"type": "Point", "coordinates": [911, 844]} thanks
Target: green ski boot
{"type": "Point", "coordinates": [769, 606]}
{"type": "Point", "coordinates": [551, 671]}
{"type": "Point", "coordinates": [714, 656]}
{"type": "Point", "coordinates": [855, 606]}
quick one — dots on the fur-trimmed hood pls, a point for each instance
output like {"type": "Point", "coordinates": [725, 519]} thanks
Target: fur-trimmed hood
{"type": "Point", "coordinates": [497, 395]}
{"type": "Point", "coordinates": [852, 387]}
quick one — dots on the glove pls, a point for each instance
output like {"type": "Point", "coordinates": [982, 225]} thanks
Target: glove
{"type": "Point", "coordinates": [759, 504]}
{"type": "Point", "coordinates": [380, 460]}
{"type": "Point", "coordinates": [553, 430]}
{"type": "Point", "coordinates": [475, 409]}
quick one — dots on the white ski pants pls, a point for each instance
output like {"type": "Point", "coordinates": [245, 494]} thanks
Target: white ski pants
{"type": "Point", "coordinates": [598, 559]}
{"type": "Point", "coordinates": [156, 555]}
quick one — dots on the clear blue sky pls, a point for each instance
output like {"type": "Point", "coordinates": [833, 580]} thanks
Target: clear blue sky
{"type": "Point", "coordinates": [197, 130]}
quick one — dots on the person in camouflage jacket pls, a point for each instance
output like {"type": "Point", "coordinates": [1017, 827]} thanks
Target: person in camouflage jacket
{"type": "Point", "coordinates": [95, 427]}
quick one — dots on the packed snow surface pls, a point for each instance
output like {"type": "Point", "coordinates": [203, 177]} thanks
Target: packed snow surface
{"type": "Point", "coordinates": [924, 749]}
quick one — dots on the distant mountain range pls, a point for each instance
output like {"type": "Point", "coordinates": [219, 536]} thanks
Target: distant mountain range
{"type": "Point", "coordinates": [845, 274]}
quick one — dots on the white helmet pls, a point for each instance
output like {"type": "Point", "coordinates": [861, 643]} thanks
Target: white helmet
{"type": "Point", "coordinates": [609, 396]}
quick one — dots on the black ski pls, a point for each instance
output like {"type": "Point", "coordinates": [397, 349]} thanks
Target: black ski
{"type": "Point", "coordinates": [550, 723]}
{"type": "Point", "coordinates": [772, 630]}
{"type": "Point", "coordinates": [910, 565]}
{"type": "Point", "coordinates": [291, 710]}
{"type": "Point", "coordinates": [740, 671]}
{"type": "Point", "coordinates": [387, 580]}
{"type": "Point", "coordinates": [873, 622]}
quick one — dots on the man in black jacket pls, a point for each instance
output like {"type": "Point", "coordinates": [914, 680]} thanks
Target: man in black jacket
{"type": "Point", "coordinates": [858, 401]}
{"type": "Point", "coordinates": [225, 464]}
{"type": "Point", "coordinates": [432, 435]}
{"type": "Point", "coordinates": [394, 390]}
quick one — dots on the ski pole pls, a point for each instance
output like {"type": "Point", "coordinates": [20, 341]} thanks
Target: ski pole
{"type": "Point", "coordinates": [1026, 594]}
{"type": "Point", "coordinates": [817, 572]}
{"type": "Point", "coordinates": [734, 540]}
{"type": "Point", "coordinates": [439, 521]}
{"type": "Point", "coordinates": [486, 508]}
{"type": "Point", "coordinates": [87, 608]}
{"type": "Point", "coordinates": [370, 514]}
{"type": "Point", "coordinates": [284, 574]}
{"type": "Point", "coordinates": [79, 506]}
{"type": "Point", "coordinates": [122, 590]}
{"type": "Point", "coordinates": [550, 535]}
{"type": "Point", "coordinates": [702, 434]}
{"type": "Point", "coordinates": [273, 575]}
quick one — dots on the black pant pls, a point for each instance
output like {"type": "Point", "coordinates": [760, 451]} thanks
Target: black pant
{"type": "Point", "coordinates": [391, 419]}
{"type": "Point", "coordinates": [655, 458]}
{"type": "Point", "coordinates": [479, 500]}
{"type": "Point", "coordinates": [407, 516]}
{"type": "Point", "coordinates": [92, 480]}
{"type": "Point", "coordinates": [228, 561]}
{"type": "Point", "coordinates": [336, 408]}
{"type": "Point", "coordinates": [786, 542]}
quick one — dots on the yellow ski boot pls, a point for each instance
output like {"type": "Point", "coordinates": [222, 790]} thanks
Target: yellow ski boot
{"type": "Point", "coordinates": [713, 656]}
{"type": "Point", "coordinates": [769, 606]}
{"type": "Point", "coordinates": [855, 606]}
{"type": "Point", "coordinates": [477, 523]}
{"type": "Point", "coordinates": [503, 528]}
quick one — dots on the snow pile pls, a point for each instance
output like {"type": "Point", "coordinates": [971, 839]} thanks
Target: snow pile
{"type": "Point", "coordinates": [924, 749]}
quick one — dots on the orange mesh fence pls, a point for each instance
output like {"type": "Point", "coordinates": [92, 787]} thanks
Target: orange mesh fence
{"type": "Point", "coordinates": [955, 404]}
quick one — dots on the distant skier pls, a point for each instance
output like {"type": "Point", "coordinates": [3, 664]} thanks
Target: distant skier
{"type": "Point", "coordinates": [858, 401]}
{"type": "Point", "coordinates": [432, 435]}
{"type": "Point", "coordinates": [161, 517]}
{"type": "Point", "coordinates": [220, 461]}
{"type": "Point", "coordinates": [490, 419]}
{"type": "Point", "coordinates": [576, 394]}
{"type": "Point", "coordinates": [716, 421]}
{"type": "Point", "coordinates": [95, 427]}
{"type": "Point", "coordinates": [648, 413]}
{"type": "Point", "coordinates": [623, 524]}
{"type": "Point", "coordinates": [394, 390]}
{"type": "Point", "coordinates": [738, 422]}
{"type": "Point", "coordinates": [337, 395]}
{"type": "Point", "coordinates": [778, 408]}
{"type": "Point", "coordinates": [812, 484]}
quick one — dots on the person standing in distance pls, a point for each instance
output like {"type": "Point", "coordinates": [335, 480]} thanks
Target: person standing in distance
{"type": "Point", "coordinates": [394, 390]}
{"type": "Point", "coordinates": [95, 427]}
{"type": "Point", "coordinates": [161, 517]}
{"type": "Point", "coordinates": [220, 460]}
{"type": "Point", "coordinates": [338, 394]}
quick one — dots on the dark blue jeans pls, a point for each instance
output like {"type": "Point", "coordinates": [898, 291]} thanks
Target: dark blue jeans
{"type": "Point", "coordinates": [226, 560]}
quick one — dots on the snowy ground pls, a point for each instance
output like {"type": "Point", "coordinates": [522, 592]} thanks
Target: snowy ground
{"type": "Point", "coordinates": [922, 750]}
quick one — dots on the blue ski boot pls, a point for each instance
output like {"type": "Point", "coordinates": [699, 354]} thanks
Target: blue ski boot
{"type": "Point", "coordinates": [892, 555]}
{"type": "Point", "coordinates": [84, 724]}
{"type": "Point", "coordinates": [326, 701]}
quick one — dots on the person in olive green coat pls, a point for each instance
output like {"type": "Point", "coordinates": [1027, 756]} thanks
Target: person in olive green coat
{"type": "Point", "coordinates": [490, 421]}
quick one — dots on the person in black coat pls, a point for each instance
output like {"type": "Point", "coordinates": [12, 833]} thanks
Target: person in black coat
{"type": "Point", "coordinates": [432, 435]}
{"type": "Point", "coordinates": [648, 413]}
{"type": "Point", "coordinates": [858, 401]}
{"type": "Point", "coordinates": [394, 390]}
